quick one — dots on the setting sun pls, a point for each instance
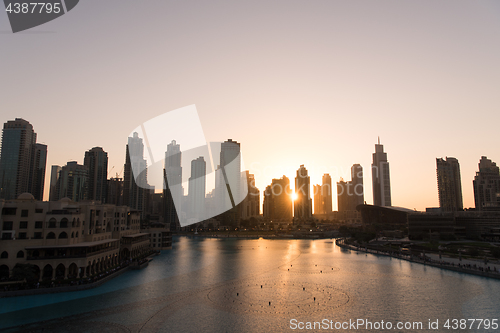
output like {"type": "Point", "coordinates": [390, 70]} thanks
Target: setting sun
{"type": "Point", "coordinates": [294, 196]}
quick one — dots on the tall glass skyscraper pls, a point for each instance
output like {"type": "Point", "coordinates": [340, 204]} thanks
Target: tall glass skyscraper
{"type": "Point", "coordinates": [22, 161]}
{"type": "Point", "coordinates": [449, 184]}
{"type": "Point", "coordinates": [381, 177]}
{"type": "Point", "coordinates": [302, 207]}
{"type": "Point", "coordinates": [96, 160]}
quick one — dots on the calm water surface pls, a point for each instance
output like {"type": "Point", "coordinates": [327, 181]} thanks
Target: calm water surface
{"type": "Point", "coordinates": [232, 285]}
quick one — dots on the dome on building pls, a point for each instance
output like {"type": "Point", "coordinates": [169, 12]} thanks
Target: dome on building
{"type": "Point", "coordinates": [26, 196]}
{"type": "Point", "coordinates": [65, 199]}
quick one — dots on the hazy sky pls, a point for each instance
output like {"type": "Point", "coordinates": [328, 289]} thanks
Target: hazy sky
{"type": "Point", "coordinates": [296, 82]}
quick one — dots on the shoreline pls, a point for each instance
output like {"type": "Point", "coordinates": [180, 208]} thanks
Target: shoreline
{"type": "Point", "coordinates": [63, 289]}
{"type": "Point", "coordinates": [443, 265]}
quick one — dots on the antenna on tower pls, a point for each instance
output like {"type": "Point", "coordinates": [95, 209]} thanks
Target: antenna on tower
{"type": "Point", "coordinates": [379, 140]}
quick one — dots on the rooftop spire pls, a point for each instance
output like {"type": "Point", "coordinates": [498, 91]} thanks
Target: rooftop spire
{"type": "Point", "coordinates": [379, 140]}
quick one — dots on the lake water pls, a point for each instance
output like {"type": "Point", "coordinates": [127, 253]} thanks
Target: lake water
{"type": "Point", "coordinates": [233, 285]}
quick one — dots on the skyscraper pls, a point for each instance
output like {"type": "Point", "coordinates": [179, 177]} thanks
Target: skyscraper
{"type": "Point", "coordinates": [449, 184]}
{"type": "Point", "coordinates": [54, 177]}
{"type": "Point", "coordinates": [230, 163]}
{"type": "Point", "coordinates": [487, 185]}
{"type": "Point", "coordinates": [250, 206]}
{"type": "Point", "coordinates": [343, 190]}
{"type": "Point", "coordinates": [318, 199]}
{"type": "Point", "coordinates": [72, 182]}
{"type": "Point", "coordinates": [381, 177]}
{"type": "Point", "coordinates": [358, 197]}
{"type": "Point", "coordinates": [134, 184]}
{"type": "Point", "coordinates": [302, 205]}
{"type": "Point", "coordinates": [278, 200]}
{"type": "Point", "coordinates": [38, 164]}
{"type": "Point", "coordinates": [196, 191]}
{"type": "Point", "coordinates": [96, 160]}
{"type": "Point", "coordinates": [326, 192]}
{"type": "Point", "coordinates": [22, 162]}
{"type": "Point", "coordinates": [173, 191]}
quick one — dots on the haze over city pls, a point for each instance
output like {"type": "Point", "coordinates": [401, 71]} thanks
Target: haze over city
{"type": "Point", "coordinates": [295, 83]}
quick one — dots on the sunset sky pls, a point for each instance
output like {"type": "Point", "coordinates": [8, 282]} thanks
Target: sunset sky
{"type": "Point", "coordinates": [295, 82]}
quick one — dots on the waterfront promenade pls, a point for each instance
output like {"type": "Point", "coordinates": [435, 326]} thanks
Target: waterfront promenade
{"type": "Point", "coordinates": [476, 267]}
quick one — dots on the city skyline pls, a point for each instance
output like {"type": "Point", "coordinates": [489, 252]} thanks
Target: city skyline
{"type": "Point", "coordinates": [178, 152]}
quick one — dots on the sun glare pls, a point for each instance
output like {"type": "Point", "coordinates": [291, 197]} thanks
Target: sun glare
{"type": "Point", "coordinates": [294, 196]}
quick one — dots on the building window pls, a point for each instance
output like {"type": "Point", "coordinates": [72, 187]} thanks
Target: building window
{"type": "Point", "coordinates": [6, 236]}
{"type": "Point", "coordinates": [4, 255]}
{"type": "Point", "coordinates": [63, 223]}
{"type": "Point", "coordinates": [23, 225]}
{"type": "Point", "coordinates": [52, 223]}
{"type": "Point", "coordinates": [38, 225]}
{"type": "Point", "coordinates": [22, 235]}
{"type": "Point", "coordinates": [20, 254]}
{"type": "Point", "coordinates": [38, 235]}
{"type": "Point", "coordinates": [39, 210]}
{"type": "Point", "coordinates": [51, 235]}
{"type": "Point", "coordinates": [24, 213]}
{"type": "Point", "coordinates": [8, 211]}
{"type": "Point", "coordinates": [7, 225]}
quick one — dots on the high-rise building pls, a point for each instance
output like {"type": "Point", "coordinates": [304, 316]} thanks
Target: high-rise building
{"type": "Point", "coordinates": [72, 182]}
{"type": "Point", "coordinates": [449, 184]}
{"type": "Point", "coordinates": [38, 164]}
{"type": "Point", "coordinates": [54, 177]}
{"type": "Point", "coordinates": [196, 191]}
{"type": "Point", "coordinates": [326, 192]}
{"type": "Point", "coordinates": [133, 183]}
{"type": "Point", "coordinates": [350, 194]}
{"type": "Point", "coordinates": [278, 200]}
{"type": "Point", "coordinates": [381, 177]}
{"type": "Point", "coordinates": [250, 206]}
{"type": "Point", "coordinates": [96, 160]}
{"type": "Point", "coordinates": [170, 216]}
{"type": "Point", "coordinates": [358, 197]}
{"type": "Point", "coordinates": [22, 161]}
{"type": "Point", "coordinates": [318, 199]}
{"type": "Point", "coordinates": [173, 195]}
{"type": "Point", "coordinates": [303, 203]}
{"type": "Point", "coordinates": [230, 175]}
{"type": "Point", "coordinates": [115, 191]}
{"type": "Point", "coordinates": [343, 190]}
{"type": "Point", "coordinates": [230, 163]}
{"type": "Point", "coordinates": [487, 185]}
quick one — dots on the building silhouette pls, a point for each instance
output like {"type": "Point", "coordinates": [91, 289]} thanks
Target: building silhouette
{"type": "Point", "coordinates": [72, 182]}
{"type": "Point", "coordinates": [318, 199]}
{"type": "Point", "coordinates": [358, 197]}
{"type": "Point", "coordinates": [173, 193]}
{"type": "Point", "coordinates": [96, 160]}
{"type": "Point", "coordinates": [134, 184]}
{"type": "Point", "coordinates": [196, 190]}
{"type": "Point", "coordinates": [487, 186]}
{"type": "Point", "coordinates": [250, 205]}
{"type": "Point", "coordinates": [54, 177]}
{"type": "Point", "coordinates": [22, 161]}
{"type": "Point", "coordinates": [231, 192]}
{"type": "Point", "coordinates": [303, 203]}
{"type": "Point", "coordinates": [278, 200]}
{"type": "Point", "coordinates": [449, 184]}
{"type": "Point", "coordinates": [37, 176]}
{"type": "Point", "coordinates": [381, 177]}
{"type": "Point", "coordinates": [350, 194]}
{"type": "Point", "coordinates": [326, 192]}
{"type": "Point", "coordinates": [115, 191]}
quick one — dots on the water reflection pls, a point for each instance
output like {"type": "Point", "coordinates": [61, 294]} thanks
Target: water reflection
{"type": "Point", "coordinates": [214, 285]}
